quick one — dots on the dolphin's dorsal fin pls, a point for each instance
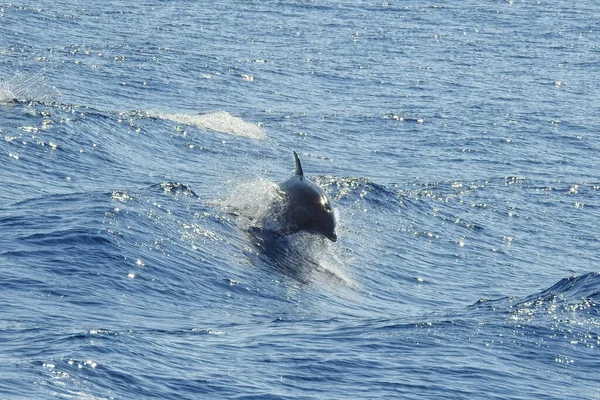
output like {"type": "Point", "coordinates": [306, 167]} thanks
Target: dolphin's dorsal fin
{"type": "Point", "coordinates": [298, 165]}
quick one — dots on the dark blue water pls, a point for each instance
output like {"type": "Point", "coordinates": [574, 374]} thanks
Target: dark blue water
{"type": "Point", "coordinates": [139, 146]}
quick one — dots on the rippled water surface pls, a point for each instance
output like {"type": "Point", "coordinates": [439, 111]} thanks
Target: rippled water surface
{"type": "Point", "coordinates": [140, 147]}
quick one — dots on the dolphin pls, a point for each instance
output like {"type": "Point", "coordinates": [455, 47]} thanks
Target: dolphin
{"type": "Point", "coordinates": [308, 207]}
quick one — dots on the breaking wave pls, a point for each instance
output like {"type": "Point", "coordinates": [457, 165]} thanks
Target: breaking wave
{"type": "Point", "coordinates": [217, 121]}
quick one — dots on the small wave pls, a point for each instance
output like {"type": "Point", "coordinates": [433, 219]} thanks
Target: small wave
{"type": "Point", "coordinates": [569, 292]}
{"type": "Point", "coordinates": [176, 187]}
{"type": "Point", "coordinates": [571, 301]}
{"type": "Point", "coordinates": [355, 188]}
{"type": "Point", "coordinates": [23, 87]}
{"type": "Point", "coordinates": [218, 121]}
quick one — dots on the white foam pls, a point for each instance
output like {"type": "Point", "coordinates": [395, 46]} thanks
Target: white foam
{"type": "Point", "coordinates": [218, 121]}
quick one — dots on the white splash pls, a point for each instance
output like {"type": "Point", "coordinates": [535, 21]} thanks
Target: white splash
{"type": "Point", "coordinates": [257, 202]}
{"type": "Point", "coordinates": [22, 87]}
{"type": "Point", "coordinates": [218, 121]}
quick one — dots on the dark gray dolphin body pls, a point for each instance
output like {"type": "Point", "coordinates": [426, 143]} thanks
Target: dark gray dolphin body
{"type": "Point", "coordinates": [308, 207]}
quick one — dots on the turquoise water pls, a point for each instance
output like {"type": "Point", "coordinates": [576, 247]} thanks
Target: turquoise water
{"type": "Point", "coordinates": [139, 147]}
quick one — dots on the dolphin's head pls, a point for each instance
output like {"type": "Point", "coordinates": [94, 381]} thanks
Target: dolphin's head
{"type": "Point", "coordinates": [324, 220]}
{"type": "Point", "coordinates": [311, 209]}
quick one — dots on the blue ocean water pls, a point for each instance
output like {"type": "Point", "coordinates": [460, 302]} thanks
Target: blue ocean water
{"type": "Point", "coordinates": [139, 146]}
